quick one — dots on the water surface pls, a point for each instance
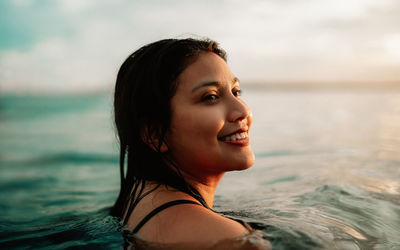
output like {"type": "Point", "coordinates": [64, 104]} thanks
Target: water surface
{"type": "Point", "coordinates": [326, 175]}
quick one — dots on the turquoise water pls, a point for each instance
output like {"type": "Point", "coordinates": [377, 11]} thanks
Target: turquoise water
{"type": "Point", "coordinates": [327, 171]}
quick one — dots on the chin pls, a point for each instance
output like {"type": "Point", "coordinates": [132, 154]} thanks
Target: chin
{"type": "Point", "coordinates": [246, 162]}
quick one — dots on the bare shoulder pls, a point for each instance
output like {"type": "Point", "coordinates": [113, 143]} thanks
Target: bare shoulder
{"type": "Point", "coordinates": [190, 223]}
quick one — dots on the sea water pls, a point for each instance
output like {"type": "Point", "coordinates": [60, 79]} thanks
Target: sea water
{"type": "Point", "coordinates": [326, 176]}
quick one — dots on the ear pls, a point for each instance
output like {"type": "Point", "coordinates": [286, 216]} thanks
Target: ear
{"type": "Point", "coordinates": [153, 141]}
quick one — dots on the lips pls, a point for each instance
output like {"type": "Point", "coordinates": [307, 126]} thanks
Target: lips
{"type": "Point", "coordinates": [239, 135]}
{"type": "Point", "coordinates": [235, 136]}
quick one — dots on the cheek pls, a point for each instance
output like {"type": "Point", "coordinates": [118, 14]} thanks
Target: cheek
{"type": "Point", "coordinates": [204, 124]}
{"type": "Point", "coordinates": [197, 127]}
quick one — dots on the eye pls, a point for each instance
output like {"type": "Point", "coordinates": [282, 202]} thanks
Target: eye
{"type": "Point", "coordinates": [236, 92]}
{"type": "Point", "coordinates": [210, 98]}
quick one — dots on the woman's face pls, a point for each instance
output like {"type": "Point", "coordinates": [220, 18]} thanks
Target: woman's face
{"type": "Point", "coordinates": [210, 122]}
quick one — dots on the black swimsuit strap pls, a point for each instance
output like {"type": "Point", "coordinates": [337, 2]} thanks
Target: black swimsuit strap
{"type": "Point", "coordinates": [159, 209]}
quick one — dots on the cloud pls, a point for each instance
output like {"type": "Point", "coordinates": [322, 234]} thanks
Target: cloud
{"type": "Point", "coordinates": [79, 45]}
{"type": "Point", "coordinates": [323, 41]}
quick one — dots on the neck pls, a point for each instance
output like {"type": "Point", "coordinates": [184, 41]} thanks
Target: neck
{"type": "Point", "coordinates": [205, 186]}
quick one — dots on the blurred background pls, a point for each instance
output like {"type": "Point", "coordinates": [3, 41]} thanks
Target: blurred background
{"type": "Point", "coordinates": [78, 45]}
{"type": "Point", "coordinates": [322, 78]}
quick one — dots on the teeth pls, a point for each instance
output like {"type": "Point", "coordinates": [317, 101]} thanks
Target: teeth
{"type": "Point", "coordinates": [234, 137]}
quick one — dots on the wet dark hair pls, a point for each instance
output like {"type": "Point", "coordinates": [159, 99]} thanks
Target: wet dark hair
{"type": "Point", "coordinates": [146, 83]}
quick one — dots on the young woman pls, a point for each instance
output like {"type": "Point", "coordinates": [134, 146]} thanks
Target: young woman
{"type": "Point", "coordinates": [181, 124]}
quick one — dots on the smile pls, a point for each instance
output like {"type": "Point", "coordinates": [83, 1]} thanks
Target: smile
{"type": "Point", "coordinates": [235, 137]}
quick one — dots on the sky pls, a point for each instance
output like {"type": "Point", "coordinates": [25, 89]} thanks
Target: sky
{"type": "Point", "coordinates": [78, 45]}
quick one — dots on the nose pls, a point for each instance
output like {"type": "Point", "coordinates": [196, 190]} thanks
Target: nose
{"type": "Point", "coordinates": [238, 110]}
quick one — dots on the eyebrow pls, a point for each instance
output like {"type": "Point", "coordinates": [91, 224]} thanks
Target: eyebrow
{"type": "Point", "coordinates": [217, 84]}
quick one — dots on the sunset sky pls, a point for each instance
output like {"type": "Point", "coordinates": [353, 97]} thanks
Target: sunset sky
{"type": "Point", "coordinates": [78, 45]}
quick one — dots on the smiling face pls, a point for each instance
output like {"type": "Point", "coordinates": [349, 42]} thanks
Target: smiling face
{"type": "Point", "coordinates": [210, 122]}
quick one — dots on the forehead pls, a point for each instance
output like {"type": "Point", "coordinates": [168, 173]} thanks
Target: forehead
{"type": "Point", "coordinates": [208, 67]}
